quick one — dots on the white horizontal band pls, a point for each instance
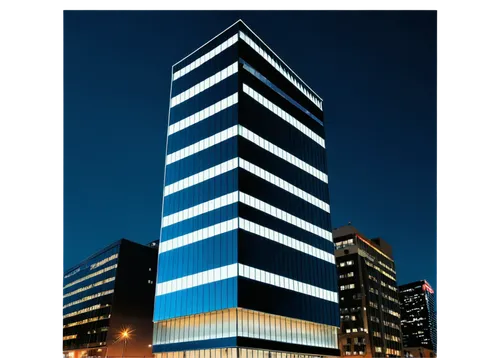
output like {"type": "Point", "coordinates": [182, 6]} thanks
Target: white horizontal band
{"type": "Point", "coordinates": [199, 209]}
{"type": "Point", "coordinates": [240, 223]}
{"type": "Point", "coordinates": [199, 235]}
{"type": "Point", "coordinates": [203, 85]}
{"type": "Point", "coordinates": [286, 283]}
{"type": "Point", "coordinates": [234, 270]}
{"type": "Point", "coordinates": [281, 69]}
{"type": "Point", "coordinates": [234, 163]}
{"type": "Point", "coordinates": [249, 200]}
{"type": "Point", "coordinates": [283, 115]}
{"type": "Point", "coordinates": [252, 137]}
{"type": "Point", "coordinates": [273, 179]}
{"type": "Point", "coordinates": [270, 147]}
{"type": "Point", "coordinates": [203, 114]}
{"type": "Point", "coordinates": [209, 55]}
{"type": "Point", "coordinates": [283, 215]}
{"type": "Point", "coordinates": [197, 279]}
{"type": "Point", "coordinates": [200, 177]}
{"type": "Point", "coordinates": [202, 144]}
{"type": "Point", "coordinates": [285, 240]}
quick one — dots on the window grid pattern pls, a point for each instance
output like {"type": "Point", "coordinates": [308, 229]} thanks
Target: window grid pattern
{"type": "Point", "coordinates": [203, 114]}
{"type": "Point", "coordinates": [94, 274]}
{"type": "Point", "coordinates": [281, 69]}
{"type": "Point", "coordinates": [283, 115]}
{"type": "Point", "coordinates": [85, 288]}
{"type": "Point", "coordinates": [84, 310]}
{"type": "Point", "coordinates": [90, 297]}
{"type": "Point", "coordinates": [208, 56]}
{"type": "Point", "coordinates": [204, 85]}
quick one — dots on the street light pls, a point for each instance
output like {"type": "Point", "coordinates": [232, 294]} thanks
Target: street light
{"type": "Point", "coordinates": [124, 335]}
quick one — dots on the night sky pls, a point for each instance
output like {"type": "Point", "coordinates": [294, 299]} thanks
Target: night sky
{"type": "Point", "coordinates": [375, 71]}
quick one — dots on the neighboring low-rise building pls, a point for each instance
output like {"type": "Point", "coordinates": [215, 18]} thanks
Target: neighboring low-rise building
{"type": "Point", "coordinates": [107, 294]}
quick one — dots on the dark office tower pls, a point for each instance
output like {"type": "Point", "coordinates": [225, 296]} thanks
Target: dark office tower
{"type": "Point", "coordinates": [246, 266]}
{"type": "Point", "coordinates": [369, 304]}
{"type": "Point", "coordinates": [107, 294]}
{"type": "Point", "coordinates": [418, 316]}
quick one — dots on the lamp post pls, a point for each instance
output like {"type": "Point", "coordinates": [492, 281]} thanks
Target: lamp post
{"type": "Point", "coordinates": [124, 338]}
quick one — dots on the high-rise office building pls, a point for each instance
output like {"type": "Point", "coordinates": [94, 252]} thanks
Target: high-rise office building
{"type": "Point", "coordinates": [246, 266]}
{"type": "Point", "coordinates": [418, 316]}
{"type": "Point", "coordinates": [110, 292]}
{"type": "Point", "coordinates": [369, 304]}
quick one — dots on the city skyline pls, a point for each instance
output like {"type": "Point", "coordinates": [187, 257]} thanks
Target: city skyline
{"type": "Point", "coordinates": [107, 164]}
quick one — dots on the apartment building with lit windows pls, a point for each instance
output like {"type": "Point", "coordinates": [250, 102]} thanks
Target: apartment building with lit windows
{"type": "Point", "coordinates": [369, 304]}
{"type": "Point", "coordinates": [246, 266]}
{"type": "Point", "coordinates": [111, 291]}
{"type": "Point", "coordinates": [418, 318]}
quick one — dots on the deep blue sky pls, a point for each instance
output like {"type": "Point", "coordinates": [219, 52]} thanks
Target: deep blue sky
{"type": "Point", "coordinates": [376, 72]}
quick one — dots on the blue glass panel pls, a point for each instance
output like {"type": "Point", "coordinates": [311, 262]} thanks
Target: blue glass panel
{"type": "Point", "coordinates": [268, 83]}
{"type": "Point", "coordinates": [200, 161]}
{"type": "Point", "coordinates": [209, 68]}
{"type": "Point", "coordinates": [285, 228]}
{"type": "Point", "coordinates": [261, 253]}
{"type": "Point", "coordinates": [261, 189]}
{"type": "Point", "coordinates": [284, 302]}
{"type": "Point", "coordinates": [173, 299]}
{"type": "Point", "coordinates": [204, 99]}
{"type": "Point", "coordinates": [210, 189]}
{"type": "Point", "coordinates": [261, 121]}
{"type": "Point", "coordinates": [204, 129]}
{"type": "Point", "coordinates": [205, 48]}
{"type": "Point", "coordinates": [197, 255]}
{"type": "Point", "coordinates": [281, 168]}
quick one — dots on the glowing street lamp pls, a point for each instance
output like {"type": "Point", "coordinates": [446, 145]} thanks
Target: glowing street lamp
{"type": "Point", "coordinates": [124, 336]}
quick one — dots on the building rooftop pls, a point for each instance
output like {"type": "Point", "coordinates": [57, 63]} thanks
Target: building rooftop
{"type": "Point", "coordinates": [377, 243]}
{"type": "Point", "coordinates": [300, 80]}
{"type": "Point", "coordinates": [110, 246]}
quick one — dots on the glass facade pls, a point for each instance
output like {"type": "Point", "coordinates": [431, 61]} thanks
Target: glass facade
{"type": "Point", "coordinates": [418, 315]}
{"type": "Point", "coordinates": [246, 252]}
{"type": "Point", "coordinates": [369, 304]}
{"type": "Point", "coordinates": [87, 299]}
